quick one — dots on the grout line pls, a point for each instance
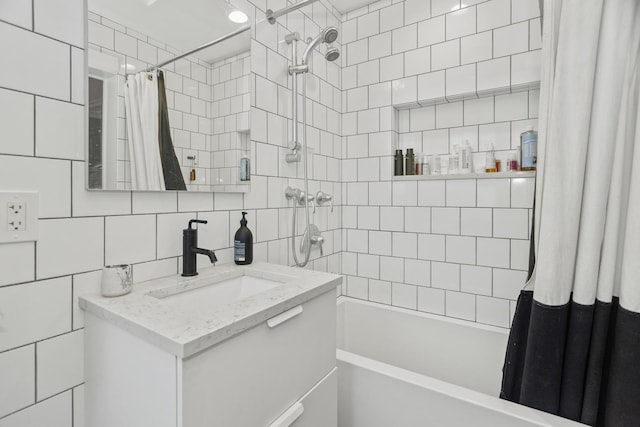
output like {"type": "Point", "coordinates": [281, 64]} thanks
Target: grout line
{"type": "Point", "coordinates": [70, 73]}
{"type": "Point", "coordinates": [35, 128]}
{"type": "Point", "coordinates": [35, 370]}
{"type": "Point", "coordinates": [38, 95]}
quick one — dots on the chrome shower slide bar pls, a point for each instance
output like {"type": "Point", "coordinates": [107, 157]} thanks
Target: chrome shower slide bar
{"type": "Point", "coordinates": [199, 48]}
{"type": "Point", "coordinates": [271, 15]}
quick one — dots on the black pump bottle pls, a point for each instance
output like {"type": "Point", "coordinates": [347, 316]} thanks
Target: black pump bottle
{"type": "Point", "coordinates": [243, 243]}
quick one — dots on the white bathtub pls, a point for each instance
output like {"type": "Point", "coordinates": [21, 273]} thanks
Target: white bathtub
{"type": "Point", "coordinates": [402, 368]}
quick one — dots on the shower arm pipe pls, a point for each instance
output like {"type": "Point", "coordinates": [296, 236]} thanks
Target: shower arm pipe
{"type": "Point", "coordinates": [271, 15]}
{"type": "Point", "coordinates": [199, 48]}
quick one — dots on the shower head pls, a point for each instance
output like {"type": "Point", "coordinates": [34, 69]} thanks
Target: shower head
{"type": "Point", "coordinates": [328, 36]}
{"type": "Point", "coordinates": [332, 54]}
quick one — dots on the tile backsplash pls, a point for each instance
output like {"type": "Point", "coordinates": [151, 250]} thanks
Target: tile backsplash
{"type": "Point", "coordinates": [42, 148]}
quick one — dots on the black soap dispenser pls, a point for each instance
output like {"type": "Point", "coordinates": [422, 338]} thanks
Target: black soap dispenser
{"type": "Point", "coordinates": [243, 243]}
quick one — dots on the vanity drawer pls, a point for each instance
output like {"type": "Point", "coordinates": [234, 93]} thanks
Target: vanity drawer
{"type": "Point", "coordinates": [271, 365]}
{"type": "Point", "coordinates": [317, 408]}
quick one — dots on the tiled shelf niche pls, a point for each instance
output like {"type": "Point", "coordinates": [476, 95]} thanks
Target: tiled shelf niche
{"type": "Point", "coordinates": [486, 102]}
{"type": "Point", "coordinates": [496, 175]}
{"type": "Point", "coordinates": [496, 116]}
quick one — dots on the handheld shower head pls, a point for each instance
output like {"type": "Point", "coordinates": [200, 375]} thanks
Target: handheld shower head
{"type": "Point", "coordinates": [328, 36]}
{"type": "Point", "coordinates": [332, 54]}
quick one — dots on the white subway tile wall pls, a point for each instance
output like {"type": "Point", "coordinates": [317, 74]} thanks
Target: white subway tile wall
{"type": "Point", "coordinates": [448, 248]}
{"type": "Point", "coordinates": [42, 149]}
{"type": "Point", "coordinates": [442, 72]}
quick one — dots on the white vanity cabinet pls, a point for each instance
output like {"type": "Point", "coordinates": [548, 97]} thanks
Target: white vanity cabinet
{"type": "Point", "coordinates": [278, 373]}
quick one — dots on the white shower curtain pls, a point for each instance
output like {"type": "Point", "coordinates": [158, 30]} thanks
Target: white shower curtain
{"type": "Point", "coordinates": [574, 348]}
{"type": "Point", "coordinates": [141, 103]}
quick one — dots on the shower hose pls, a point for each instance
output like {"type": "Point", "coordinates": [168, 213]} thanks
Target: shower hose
{"type": "Point", "coordinates": [306, 183]}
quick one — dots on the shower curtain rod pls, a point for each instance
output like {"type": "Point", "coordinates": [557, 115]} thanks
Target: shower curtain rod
{"type": "Point", "coordinates": [199, 48]}
{"type": "Point", "coordinates": [271, 15]}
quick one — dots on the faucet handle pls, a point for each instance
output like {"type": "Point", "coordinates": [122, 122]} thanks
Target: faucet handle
{"type": "Point", "coordinates": [322, 198]}
{"type": "Point", "coordinates": [198, 221]}
{"type": "Point", "coordinates": [318, 239]}
{"type": "Point", "coordinates": [305, 199]}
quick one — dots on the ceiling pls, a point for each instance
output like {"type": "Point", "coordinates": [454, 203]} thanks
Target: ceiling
{"type": "Point", "coordinates": [345, 6]}
{"type": "Point", "coordinates": [184, 24]}
{"type": "Point", "coordinates": [187, 24]}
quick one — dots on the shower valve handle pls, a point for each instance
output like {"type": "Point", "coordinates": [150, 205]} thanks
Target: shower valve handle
{"type": "Point", "coordinates": [306, 199]}
{"type": "Point", "coordinates": [311, 199]}
{"type": "Point", "coordinates": [301, 197]}
{"type": "Point", "coordinates": [322, 198]}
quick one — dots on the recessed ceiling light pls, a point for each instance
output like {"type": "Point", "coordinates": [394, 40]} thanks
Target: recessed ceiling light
{"type": "Point", "coordinates": [238, 16]}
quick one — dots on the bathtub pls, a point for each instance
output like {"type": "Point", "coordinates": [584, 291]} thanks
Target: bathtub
{"type": "Point", "coordinates": [402, 368]}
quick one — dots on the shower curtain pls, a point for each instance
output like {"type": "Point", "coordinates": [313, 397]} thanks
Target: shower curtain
{"type": "Point", "coordinates": [574, 347]}
{"type": "Point", "coordinates": [141, 103]}
{"type": "Point", "coordinates": [173, 179]}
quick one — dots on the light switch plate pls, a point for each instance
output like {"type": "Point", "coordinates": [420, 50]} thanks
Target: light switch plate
{"type": "Point", "coordinates": [18, 216]}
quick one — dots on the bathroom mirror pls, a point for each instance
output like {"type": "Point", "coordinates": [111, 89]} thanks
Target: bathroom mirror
{"type": "Point", "coordinates": [184, 126]}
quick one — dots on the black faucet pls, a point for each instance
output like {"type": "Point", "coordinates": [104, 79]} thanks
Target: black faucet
{"type": "Point", "coordinates": [190, 249]}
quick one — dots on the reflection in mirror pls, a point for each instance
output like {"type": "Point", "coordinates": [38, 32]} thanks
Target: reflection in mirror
{"type": "Point", "coordinates": [182, 126]}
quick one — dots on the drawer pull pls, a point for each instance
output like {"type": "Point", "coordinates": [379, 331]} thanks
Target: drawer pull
{"type": "Point", "coordinates": [289, 417]}
{"type": "Point", "coordinates": [283, 317]}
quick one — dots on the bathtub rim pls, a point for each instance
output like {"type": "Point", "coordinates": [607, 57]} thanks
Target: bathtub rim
{"type": "Point", "coordinates": [342, 299]}
{"type": "Point", "coordinates": [524, 413]}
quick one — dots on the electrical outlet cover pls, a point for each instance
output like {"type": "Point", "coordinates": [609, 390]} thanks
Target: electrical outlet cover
{"type": "Point", "coordinates": [19, 223]}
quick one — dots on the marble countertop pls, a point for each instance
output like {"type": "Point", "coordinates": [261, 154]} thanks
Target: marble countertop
{"type": "Point", "coordinates": [185, 332]}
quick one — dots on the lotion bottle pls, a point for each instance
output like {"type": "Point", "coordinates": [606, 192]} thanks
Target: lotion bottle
{"type": "Point", "coordinates": [490, 164]}
{"type": "Point", "coordinates": [454, 162]}
{"type": "Point", "coordinates": [243, 243]}
{"type": "Point", "coordinates": [466, 158]}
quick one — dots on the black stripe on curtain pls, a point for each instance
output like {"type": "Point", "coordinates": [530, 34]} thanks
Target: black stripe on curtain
{"type": "Point", "coordinates": [173, 179]}
{"type": "Point", "coordinates": [580, 362]}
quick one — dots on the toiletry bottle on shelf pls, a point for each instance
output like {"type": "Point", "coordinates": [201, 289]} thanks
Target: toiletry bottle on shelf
{"type": "Point", "coordinates": [410, 162]}
{"type": "Point", "coordinates": [243, 243]}
{"type": "Point", "coordinates": [529, 149]}
{"type": "Point", "coordinates": [245, 169]}
{"type": "Point", "coordinates": [490, 163]}
{"type": "Point", "coordinates": [435, 165]}
{"type": "Point", "coordinates": [454, 161]}
{"type": "Point", "coordinates": [398, 162]}
{"type": "Point", "coordinates": [512, 163]}
{"type": "Point", "coordinates": [466, 157]}
{"type": "Point", "coordinates": [444, 165]}
{"type": "Point", "coordinates": [419, 164]}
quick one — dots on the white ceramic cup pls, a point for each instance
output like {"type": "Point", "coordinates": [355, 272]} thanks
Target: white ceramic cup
{"type": "Point", "coordinates": [116, 280]}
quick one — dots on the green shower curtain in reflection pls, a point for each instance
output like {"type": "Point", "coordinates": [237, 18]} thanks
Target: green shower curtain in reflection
{"type": "Point", "coordinates": [173, 178]}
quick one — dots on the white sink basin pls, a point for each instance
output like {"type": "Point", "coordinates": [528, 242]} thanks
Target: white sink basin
{"type": "Point", "coordinates": [219, 293]}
